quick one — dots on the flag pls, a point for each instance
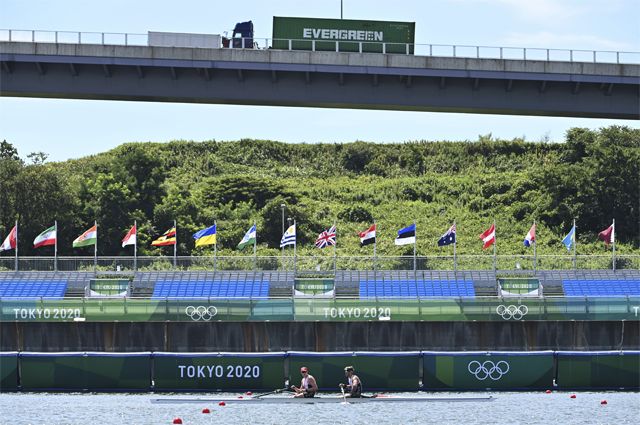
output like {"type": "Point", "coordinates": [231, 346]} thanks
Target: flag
{"type": "Point", "coordinates": [531, 236]}
{"type": "Point", "coordinates": [289, 237]}
{"type": "Point", "coordinates": [326, 238]}
{"type": "Point", "coordinates": [488, 237]}
{"type": "Point", "coordinates": [206, 236]}
{"type": "Point", "coordinates": [46, 238]}
{"type": "Point", "coordinates": [131, 237]}
{"type": "Point", "coordinates": [607, 235]}
{"type": "Point", "coordinates": [249, 238]}
{"type": "Point", "coordinates": [449, 237]}
{"type": "Point", "coordinates": [90, 237]}
{"type": "Point", "coordinates": [570, 239]}
{"type": "Point", "coordinates": [167, 238]}
{"type": "Point", "coordinates": [368, 236]}
{"type": "Point", "coordinates": [406, 236]}
{"type": "Point", "coordinates": [11, 241]}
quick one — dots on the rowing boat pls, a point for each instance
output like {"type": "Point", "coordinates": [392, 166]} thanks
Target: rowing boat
{"type": "Point", "coordinates": [322, 399]}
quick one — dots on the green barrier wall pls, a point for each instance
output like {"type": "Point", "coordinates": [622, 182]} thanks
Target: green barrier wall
{"type": "Point", "coordinates": [218, 371]}
{"type": "Point", "coordinates": [603, 369]}
{"type": "Point", "coordinates": [85, 371]}
{"type": "Point", "coordinates": [9, 371]}
{"type": "Point", "coordinates": [487, 370]}
{"type": "Point", "coordinates": [377, 370]}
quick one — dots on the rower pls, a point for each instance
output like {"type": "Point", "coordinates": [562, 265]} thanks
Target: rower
{"type": "Point", "coordinates": [354, 385]}
{"type": "Point", "coordinates": [308, 386]}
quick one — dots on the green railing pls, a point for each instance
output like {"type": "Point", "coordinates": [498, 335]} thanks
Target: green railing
{"type": "Point", "coordinates": [314, 309]}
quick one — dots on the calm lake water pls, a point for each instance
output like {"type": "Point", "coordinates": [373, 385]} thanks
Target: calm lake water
{"type": "Point", "coordinates": [508, 408]}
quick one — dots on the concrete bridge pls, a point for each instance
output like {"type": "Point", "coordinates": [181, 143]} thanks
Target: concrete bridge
{"type": "Point", "coordinates": [320, 79]}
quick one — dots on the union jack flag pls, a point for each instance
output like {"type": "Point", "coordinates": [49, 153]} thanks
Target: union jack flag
{"type": "Point", "coordinates": [326, 238]}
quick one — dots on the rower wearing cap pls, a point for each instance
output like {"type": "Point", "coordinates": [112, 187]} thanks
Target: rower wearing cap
{"type": "Point", "coordinates": [355, 384]}
{"type": "Point", "coordinates": [308, 386]}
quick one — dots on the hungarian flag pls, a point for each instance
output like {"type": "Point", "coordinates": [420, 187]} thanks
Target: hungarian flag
{"type": "Point", "coordinates": [607, 235]}
{"type": "Point", "coordinates": [368, 236]}
{"type": "Point", "coordinates": [488, 237]}
{"type": "Point", "coordinates": [11, 241]}
{"type": "Point", "coordinates": [90, 237]}
{"type": "Point", "coordinates": [167, 238]}
{"type": "Point", "coordinates": [46, 238]}
{"type": "Point", "coordinates": [131, 237]}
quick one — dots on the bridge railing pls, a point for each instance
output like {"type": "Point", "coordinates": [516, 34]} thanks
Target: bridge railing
{"type": "Point", "coordinates": [315, 309]}
{"type": "Point", "coordinates": [323, 263]}
{"type": "Point", "coordinates": [420, 49]}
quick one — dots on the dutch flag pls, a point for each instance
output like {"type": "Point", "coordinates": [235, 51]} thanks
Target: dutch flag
{"type": "Point", "coordinates": [531, 236]}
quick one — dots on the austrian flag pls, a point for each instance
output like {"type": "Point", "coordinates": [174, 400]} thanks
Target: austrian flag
{"type": "Point", "coordinates": [488, 237]}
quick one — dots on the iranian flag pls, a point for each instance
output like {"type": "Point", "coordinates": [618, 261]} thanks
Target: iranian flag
{"type": "Point", "coordinates": [90, 237]}
{"type": "Point", "coordinates": [46, 238]}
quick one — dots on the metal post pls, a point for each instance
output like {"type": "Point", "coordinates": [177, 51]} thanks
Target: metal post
{"type": "Point", "coordinates": [495, 244]}
{"type": "Point", "coordinates": [455, 260]}
{"type": "Point", "coordinates": [295, 250]}
{"type": "Point", "coordinates": [126, 39]}
{"type": "Point", "coordinates": [282, 207]}
{"type": "Point", "coordinates": [95, 248]}
{"type": "Point", "coordinates": [547, 55]}
{"type": "Point", "coordinates": [55, 248]}
{"type": "Point", "coordinates": [570, 55]}
{"type": "Point", "coordinates": [135, 247]}
{"type": "Point", "coordinates": [335, 257]}
{"type": "Point", "coordinates": [289, 44]}
{"type": "Point", "coordinates": [16, 246]}
{"type": "Point", "coordinates": [525, 53]}
{"type": "Point", "coordinates": [415, 242]}
{"type": "Point", "coordinates": [613, 237]}
{"type": "Point", "coordinates": [575, 242]}
{"type": "Point", "coordinates": [340, 9]}
{"type": "Point", "coordinates": [56, 37]}
{"type": "Point", "coordinates": [175, 245]}
{"type": "Point", "coordinates": [501, 53]}
{"type": "Point", "coordinates": [255, 241]}
{"type": "Point", "coordinates": [360, 47]}
{"type": "Point", "coordinates": [384, 48]}
{"type": "Point", "coordinates": [477, 52]}
{"type": "Point", "coordinates": [375, 243]}
{"type": "Point", "coordinates": [535, 256]}
{"type": "Point", "coordinates": [313, 45]}
{"type": "Point", "coordinates": [430, 49]}
{"type": "Point", "coordinates": [594, 56]}
{"type": "Point", "coordinates": [215, 247]}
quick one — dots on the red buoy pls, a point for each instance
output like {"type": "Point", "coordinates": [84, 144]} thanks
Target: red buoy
{"type": "Point", "coordinates": [573, 396]}
{"type": "Point", "coordinates": [548, 391]}
{"type": "Point", "coordinates": [206, 410]}
{"type": "Point", "coordinates": [240, 396]}
{"type": "Point", "coordinates": [248, 393]}
{"type": "Point", "coordinates": [603, 402]}
{"type": "Point", "coordinates": [177, 421]}
{"type": "Point", "coordinates": [222, 403]}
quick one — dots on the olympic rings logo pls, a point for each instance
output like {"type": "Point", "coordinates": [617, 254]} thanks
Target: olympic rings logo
{"type": "Point", "coordinates": [515, 312]}
{"type": "Point", "coordinates": [201, 312]}
{"type": "Point", "coordinates": [488, 369]}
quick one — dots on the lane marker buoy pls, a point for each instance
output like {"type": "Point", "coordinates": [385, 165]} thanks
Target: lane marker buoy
{"type": "Point", "coordinates": [177, 421]}
{"type": "Point", "coordinates": [222, 403]}
{"type": "Point", "coordinates": [206, 410]}
{"type": "Point", "coordinates": [603, 402]}
{"type": "Point", "coordinates": [248, 393]}
{"type": "Point", "coordinates": [548, 391]}
{"type": "Point", "coordinates": [573, 396]}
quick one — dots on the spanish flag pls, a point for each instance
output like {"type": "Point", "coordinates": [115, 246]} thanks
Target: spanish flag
{"type": "Point", "coordinates": [168, 238]}
{"type": "Point", "coordinates": [205, 236]}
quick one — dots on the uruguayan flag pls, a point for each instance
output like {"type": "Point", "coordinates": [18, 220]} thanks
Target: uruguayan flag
{"type": "Point", "coordinates": [289, 237]}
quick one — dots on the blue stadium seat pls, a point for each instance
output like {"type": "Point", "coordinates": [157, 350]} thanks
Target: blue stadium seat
{"type": "Point", "coordinates": [601, 288]}
{"type": "Point", "coordinates": [219, 288]}
{"type": "Point", "coordinates": [33, 289]}
{"type": "Point", "coordinates": [412, 289]}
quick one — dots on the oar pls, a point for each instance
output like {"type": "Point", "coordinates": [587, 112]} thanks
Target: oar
{"type": "Point", "coordinates": [344, 397]}
{"type": "Point", "coordinates": [272, 392]}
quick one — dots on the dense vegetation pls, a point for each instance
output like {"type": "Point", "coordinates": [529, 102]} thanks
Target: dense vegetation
{"type": "Point", "coordinates": [593, 177]}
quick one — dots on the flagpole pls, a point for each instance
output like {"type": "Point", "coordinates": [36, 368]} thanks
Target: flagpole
{"type": "Point", "coordinates": [495, 243]}
{"type": "Point", "coordinates": [175, 245]}
{"type": "Point", "coordinates": [575, 242]}
{"type": "Point", "coordinates": [535, 256]}
{"type": "Point", "coordinates": [255, 241]}
{"type": "Point", "coordinates": [95, 248]}
{"type": "Point", "coordinates": [215, 247]}
{"type": "Point", "coordinates": [135, 247]}
{"type": "Point", "coordinates": [17, 245]}
{"type": "Point", "coordinates": [375, 243]}
{"type": "Point", "coordinates": [55, 247]}
{"type": "Point", "coordinates": [415, 242]}
{"type": "Point", "coordinates": [335, 247]}
{"type": "Point", "coordinates": [613, 237]}
{"type": "Point", "coordinates": [295, 249]}
{"type": "Point", "coordinates": [455, 241]}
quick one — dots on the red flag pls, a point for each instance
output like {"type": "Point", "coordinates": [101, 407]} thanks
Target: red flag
{"type": "Point", "coordinates": [607, 235]}
{"type": "Point", "coordinates": [489, 237]}
{"type": "Point", "coordinates": [130, 238]}
{"type": "Point", "coordinates": [11, 241]}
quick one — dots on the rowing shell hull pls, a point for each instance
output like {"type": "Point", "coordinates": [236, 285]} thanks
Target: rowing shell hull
{"type": "Point", "coordinates": [314, 400]}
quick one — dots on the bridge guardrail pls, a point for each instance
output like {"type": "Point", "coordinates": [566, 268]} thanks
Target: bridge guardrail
{"type": "Point", "coordinates": [327, 310]}
{"type": "Point", "coordinates": [420, 49]}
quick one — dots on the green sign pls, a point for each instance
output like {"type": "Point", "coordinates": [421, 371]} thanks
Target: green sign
{"type": "Point", "coordinates": [519, 286]}
{"type": "Point", "coordinates": [314, 287]}
{"type": "Point", "coordinates": [108, 287]}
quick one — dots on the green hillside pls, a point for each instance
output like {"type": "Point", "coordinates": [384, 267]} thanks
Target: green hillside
{"type": "Point", "coordinates": [593, 176]}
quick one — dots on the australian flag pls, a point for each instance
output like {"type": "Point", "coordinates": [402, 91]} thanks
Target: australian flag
{"type": "Point", "coordinates": [449, 237]}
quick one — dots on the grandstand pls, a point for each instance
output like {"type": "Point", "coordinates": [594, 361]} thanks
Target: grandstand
{"type": "Point", "coordinates": [348, 283]}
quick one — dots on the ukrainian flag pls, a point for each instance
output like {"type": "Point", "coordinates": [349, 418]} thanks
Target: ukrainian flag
{"type": "Point", "coordinates": [205, 236]}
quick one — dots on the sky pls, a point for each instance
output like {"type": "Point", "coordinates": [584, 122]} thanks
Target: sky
{"type": "Point", "coordinates": [73, 128]}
